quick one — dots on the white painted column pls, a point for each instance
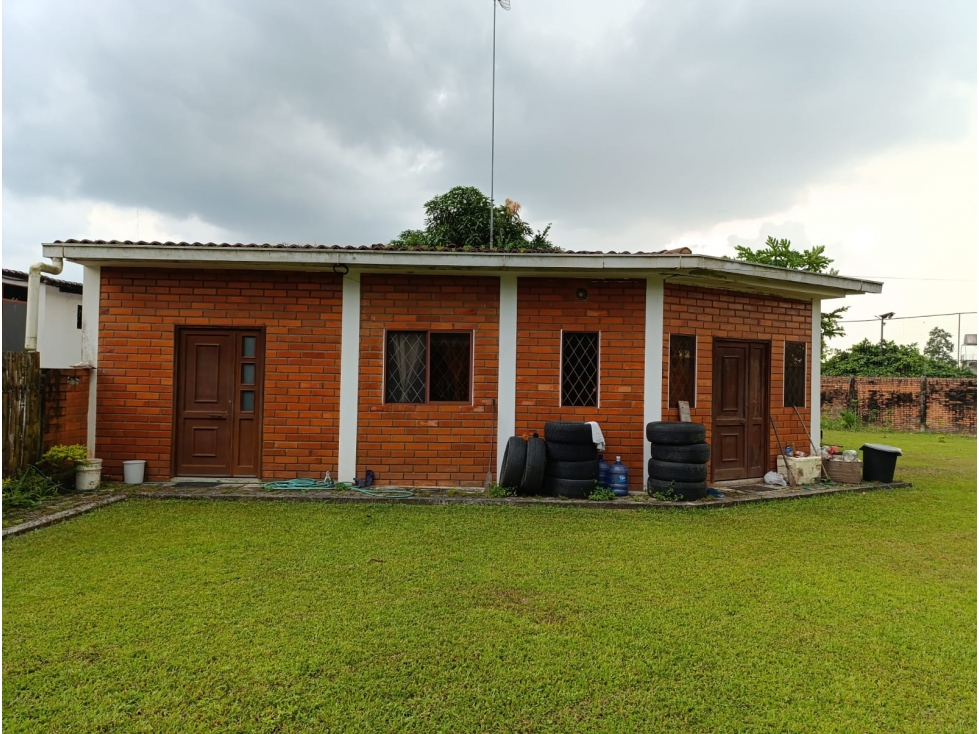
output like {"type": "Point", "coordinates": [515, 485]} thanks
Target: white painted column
{"type": "Point", "coordinates": [816, 363]}
{"type": "Point", "coordinates": [653, 378]}
{"type": "Point", "coordinates": [349, 377]}
{"type": "Point", "coordinates": [506, 390]}
{"type": "Point", "coordinates": [91, 296]}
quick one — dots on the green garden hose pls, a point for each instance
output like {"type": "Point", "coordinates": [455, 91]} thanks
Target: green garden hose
{"type": "Point", "coordinates": [308, 485]}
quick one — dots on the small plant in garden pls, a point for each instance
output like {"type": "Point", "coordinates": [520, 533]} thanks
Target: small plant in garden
{"type": "Point", "coordinates": [601, 494]}
{"type": "Point", "coordinates": [495, 490]}
{"type": "Point", "coordinates": [58, 463]}
{"type": "Point", "coordinates": [667, 495]}
{"type": "Point", "coordinates": [28, 490]}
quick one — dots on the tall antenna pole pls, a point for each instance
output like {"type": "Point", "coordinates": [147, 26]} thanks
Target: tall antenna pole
{"type": "Point", "coordinates": [493, 128]}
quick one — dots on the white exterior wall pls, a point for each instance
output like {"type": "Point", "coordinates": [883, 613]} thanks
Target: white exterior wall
{"type": "Point", "coordinates": [59, 340]}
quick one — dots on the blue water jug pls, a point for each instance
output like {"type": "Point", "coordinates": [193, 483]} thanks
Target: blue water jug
{"type": "Point", "coordinates": [618, 474]}
{"type": "Point", "coordinates": [603, 467]}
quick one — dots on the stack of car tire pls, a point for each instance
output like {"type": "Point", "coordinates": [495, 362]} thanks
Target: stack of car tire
{"type": "Point", "coordinates": [679, 457]}
{"type": "Point", "coordinates": [572, 459]}
{"type": "Point", "coordinates": [565, 464]}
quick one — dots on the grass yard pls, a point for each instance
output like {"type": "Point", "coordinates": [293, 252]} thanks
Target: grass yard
{"type": "Point", "coordinates": [849, 613]}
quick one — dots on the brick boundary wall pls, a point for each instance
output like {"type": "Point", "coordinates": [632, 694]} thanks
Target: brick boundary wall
{"type": "Point", "coordinates": [65, 407]}
{"type": "Point", "coordinates": [617, 309]}
{"type": "Point", "coordinates": [435, 443]}
{"type": "Point", "coordinates": [941, 404]}
{"type": "Point", "coordinates": [711, 313]}
{"type": "Point", "coordinates": [139, 312]}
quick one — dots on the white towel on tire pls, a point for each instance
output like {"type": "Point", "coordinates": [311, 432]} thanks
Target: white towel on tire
{"type": "Point", "coordinates": [596, 435]}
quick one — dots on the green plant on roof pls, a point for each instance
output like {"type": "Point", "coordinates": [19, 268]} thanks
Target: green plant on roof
{"type": "Point", "coordinates": [459, 219]}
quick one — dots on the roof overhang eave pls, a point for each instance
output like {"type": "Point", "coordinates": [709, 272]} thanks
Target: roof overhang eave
{"type": "Point", "coordinates": [694, 269]}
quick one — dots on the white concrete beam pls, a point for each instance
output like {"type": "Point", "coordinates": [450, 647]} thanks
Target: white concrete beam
{"type": "Point", "coordinates": [349, 378]}
{"type": "Point", "coordinates": [91, 297]}
{"type": "Point", "coordinates": [815, 369]}
{"type": "Point", "coordinates": [653, 374]}
{"type": "Point", "coordinates": [506, 390]}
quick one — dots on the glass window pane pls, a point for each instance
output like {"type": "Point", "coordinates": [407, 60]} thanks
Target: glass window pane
{"type": "Point", "coordinates": [579, 369]}
{"type": "Point", "coordinates": [248, 346]}
{"type": "Point", "coordinates": [682, 377]}
{"type": "Point", "coordinates": [248, 373]}
{"type": "Point", "coordinates": [248, 400]}
{"type": "Point", "coordinates": [794, 386]}
{"type": "Point", "coordinates": [450, 362]}
{"type": "Point", "coordinates": [404, 380]}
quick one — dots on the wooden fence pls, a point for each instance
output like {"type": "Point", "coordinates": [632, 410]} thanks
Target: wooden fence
{"type": "Point", "coordinates": [23, 410]}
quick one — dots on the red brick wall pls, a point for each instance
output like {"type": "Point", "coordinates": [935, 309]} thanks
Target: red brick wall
{"type": "Point", "coordinates": [710, 314]}
{"type": "Point", "coordinates": [617, 309]}
{"type": "Point", "coordinates": [65, 407]}
{"type": "Point", "coordinates": [896, 402]}
{"type": "Point", "coordinates": [139, 312]}
{"type": "Point", "coordinates": [432, 444]}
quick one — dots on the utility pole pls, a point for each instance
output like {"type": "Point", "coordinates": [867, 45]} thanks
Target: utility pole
{"type": "Point", "coordinates": [958, 344]}
{"type": "Point", "coordinates": [505, 4]}
{"type": "Point", "coordinates": [883, 317]}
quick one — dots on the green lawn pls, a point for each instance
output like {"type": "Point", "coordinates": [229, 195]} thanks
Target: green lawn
{"type": "Point", "coordinates": [850, 613]}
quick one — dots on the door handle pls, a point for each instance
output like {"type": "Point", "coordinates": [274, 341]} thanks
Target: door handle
{"type": "Point", "coordinates": [217, 415]}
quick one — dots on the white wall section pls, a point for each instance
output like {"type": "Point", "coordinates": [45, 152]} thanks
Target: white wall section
{"type": "Point", "coordinates": [653, 379]}
{"type": "Point", "coordinates": [91, 295]}
{"type": "Point", "coordinates": [815, 369]}
{"type": "Point", "coordinates": [349, 377]}
{"type": "Point", "coordinates": [506, 390]}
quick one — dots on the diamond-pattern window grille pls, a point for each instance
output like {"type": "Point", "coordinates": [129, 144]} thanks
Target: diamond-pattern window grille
{"type": "Point", "coordinates": [406, 358]}
{"type": "Point", "coordinates": [794, 385]}
{"type": "Point", "coordinates": [450, 360]}
{"type": "Point", "coordinates": [579, 369]}
{"type": "Point", "coordinates": [683, 366]}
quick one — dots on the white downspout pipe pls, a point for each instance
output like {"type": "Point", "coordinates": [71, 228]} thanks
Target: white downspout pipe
{"type": "Point", "coordinates": [34, 297]}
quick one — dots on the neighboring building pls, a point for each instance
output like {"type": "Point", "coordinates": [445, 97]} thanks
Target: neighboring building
{"type": "Point", "coordinates": [290, 361]}
{"type": "Point", "coordinates": [59, 332]}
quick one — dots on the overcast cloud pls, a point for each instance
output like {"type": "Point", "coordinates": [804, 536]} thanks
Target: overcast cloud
{"type": "Point", "coordinates": [634, 126]}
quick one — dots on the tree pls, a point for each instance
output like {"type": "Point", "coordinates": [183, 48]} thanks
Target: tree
{"type": "Point", "coordinates": [940, 347]}
{"type": "Point", "coordinates": [814, 260]}
{"type": "Point", "coordinates": [459, 219]}
{"type": "Point", "coordinates": [887, 359]}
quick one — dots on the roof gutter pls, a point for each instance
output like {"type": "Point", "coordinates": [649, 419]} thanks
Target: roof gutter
{"type": "Point", "coordinates": [34, 296]}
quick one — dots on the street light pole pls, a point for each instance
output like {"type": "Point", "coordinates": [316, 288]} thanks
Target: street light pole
{"type": "Point", "coordinates": [883, 317]}
{"type": "Point", "coordinates": [505, 4]}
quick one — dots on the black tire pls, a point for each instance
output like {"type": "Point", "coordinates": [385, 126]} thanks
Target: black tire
{"type": "Point", "coordinates": [573, 470]}
{"type": "Point", "coordinates": [567, 432]}
{"type": "Point", "coordinates": [574, 488]}
{"type": "Point", "coordinates": [685, 490]}
{"type": "Point", "coordinates": [557, 451]}
{"type": "Point", "coordinates": [533, 473]}
{"type": "Point", "coordinates": [667, 470]}
{"type": "Point", "coordinates": [514, 462]}
{"type": "Point", "coordinates": [675, 433]}
{"type": "Point", "coordinates": [698, 453]}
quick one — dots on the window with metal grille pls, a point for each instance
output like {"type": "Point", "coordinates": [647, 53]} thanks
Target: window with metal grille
{"type": "Point", "coordinates": [579, 368]}
{"type": "Point", "coordinates": [423, 367]}
{"type": "Point", "coordinates": [683, 369]}
{"type": "Point", "coordinates": [794, 384]}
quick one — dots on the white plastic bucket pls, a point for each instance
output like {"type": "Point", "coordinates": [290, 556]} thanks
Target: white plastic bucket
{"type": "Point", "coordinates": [132, 471]}
{"type": "Point", "coordinates": [88, 474]}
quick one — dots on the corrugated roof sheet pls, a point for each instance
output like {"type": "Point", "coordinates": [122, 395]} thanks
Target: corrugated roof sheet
{"type": "Point", "coordinates": [67, 285]}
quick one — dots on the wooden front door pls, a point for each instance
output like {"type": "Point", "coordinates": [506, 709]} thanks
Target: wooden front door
{"type": "Point", "coordinates": [740, 410]}
{"type": "Point", "coordinates": [218, 416]}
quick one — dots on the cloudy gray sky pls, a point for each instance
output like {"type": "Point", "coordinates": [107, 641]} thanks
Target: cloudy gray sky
{"type": "Point", "coordinates": [634, 125]}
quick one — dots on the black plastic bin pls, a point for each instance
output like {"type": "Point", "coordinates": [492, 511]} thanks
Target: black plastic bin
{"type": "Point", "coordinates": [879, 462]}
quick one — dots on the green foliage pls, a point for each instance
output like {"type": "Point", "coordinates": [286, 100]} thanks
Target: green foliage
{"type": "Point", "coordinates": [495, 490]}
{"type": "Point", "coordinates": [814, 260]}
{"type": "Point", "coordinates": [59, 464]}
{"type": "Point", "coordinates": [601, 494]}
{"type": "Point", "coordinates": [887, 359]}
{"type": "Point", "coordinates": [667, 495]}
{"type": "Point", "coordinates": [459, 218]}
{"type": "Point", "coordinates": [940, 347]}
{"type": "Point", "coordinates": [29, 489]}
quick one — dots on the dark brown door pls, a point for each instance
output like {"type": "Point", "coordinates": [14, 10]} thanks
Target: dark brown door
{"type": "Point", "coordinates": [218, 411]}
{"type": "Point", "coordinates": [740, 410]}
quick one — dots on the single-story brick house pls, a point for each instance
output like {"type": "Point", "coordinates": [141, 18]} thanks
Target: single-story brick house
{"type": "Point", "coordinates": [280, 361]}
